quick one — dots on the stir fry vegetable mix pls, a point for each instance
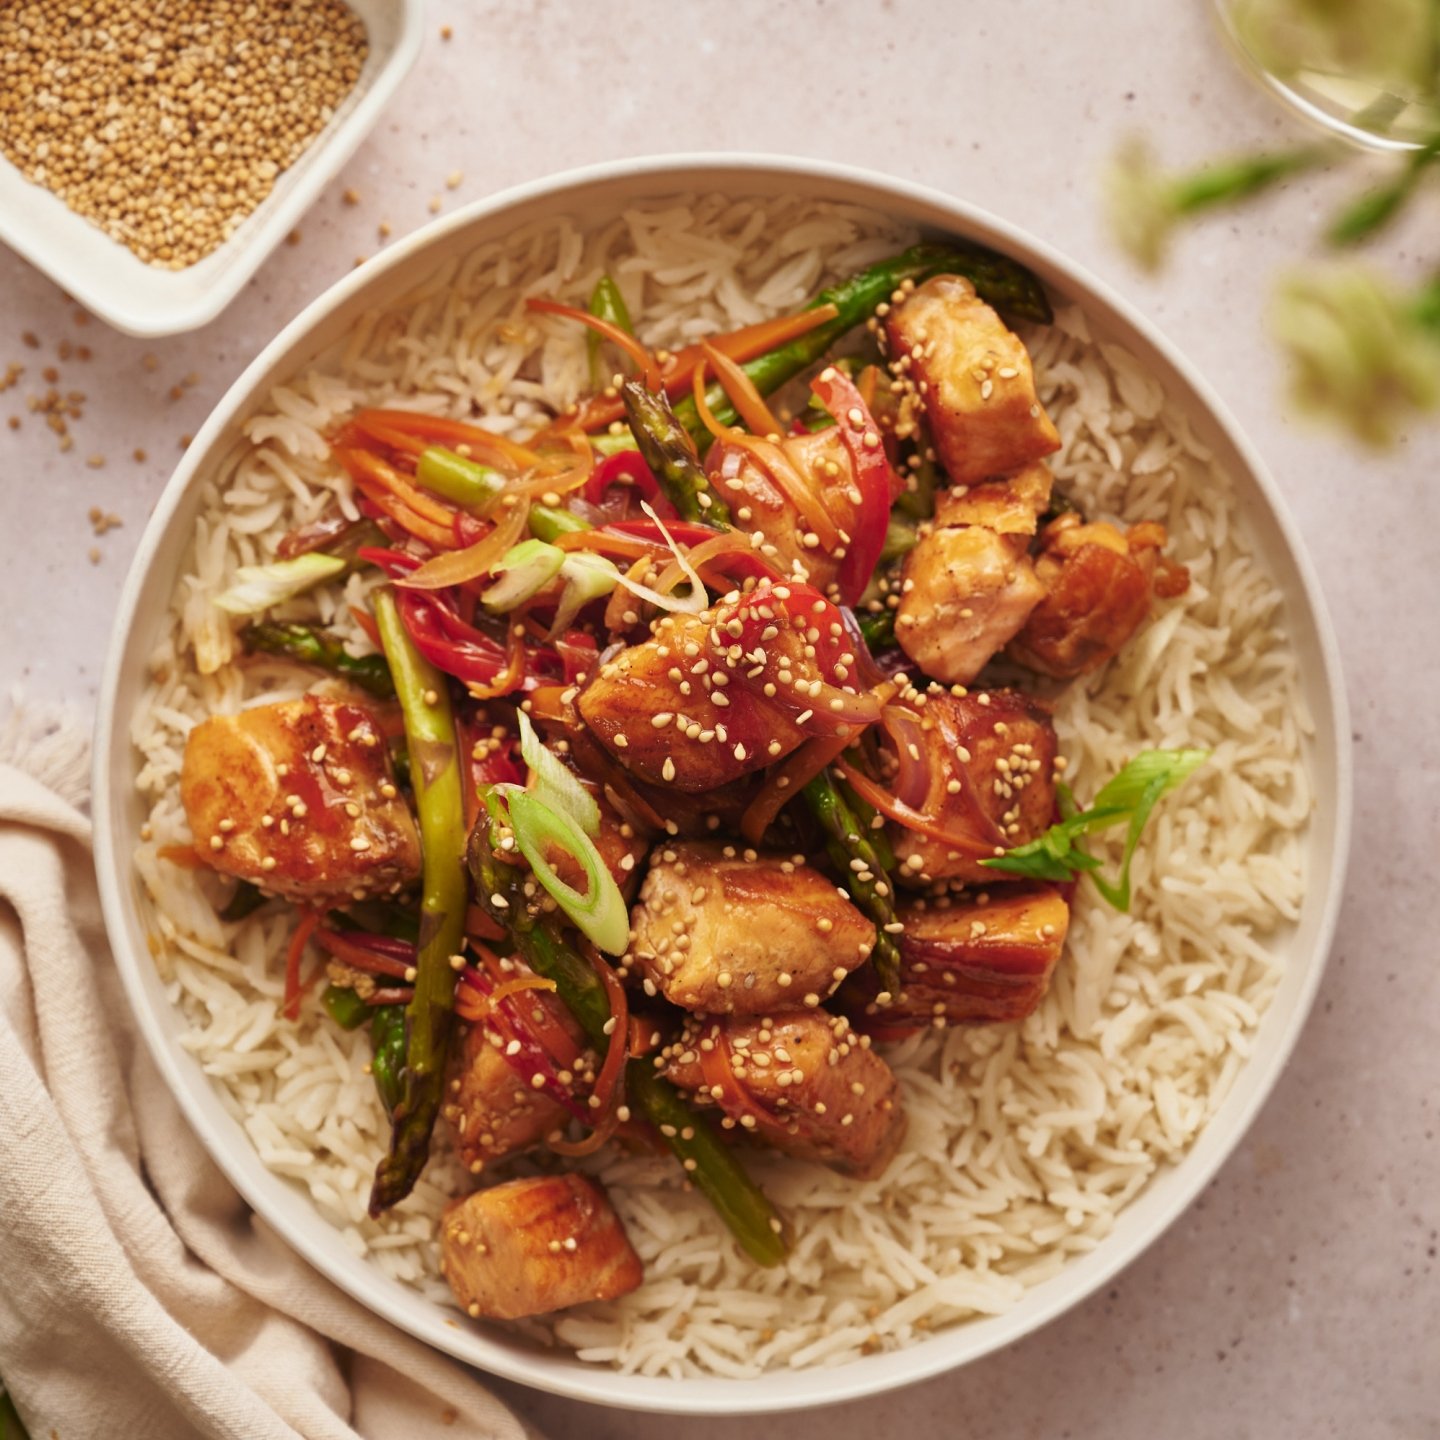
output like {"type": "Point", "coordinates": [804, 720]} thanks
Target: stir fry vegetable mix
{"type": "Point", "coordinates": [674, 610]}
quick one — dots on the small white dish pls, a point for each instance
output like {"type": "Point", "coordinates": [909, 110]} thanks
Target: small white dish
{"type": "Point", "coordinates": [144, 300]}
{"type": "Point", "coordinates": [596, 194]}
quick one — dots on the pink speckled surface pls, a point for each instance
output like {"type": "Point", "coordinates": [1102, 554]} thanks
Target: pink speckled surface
{"type": "Point", "coordinates": [1301, 1296]}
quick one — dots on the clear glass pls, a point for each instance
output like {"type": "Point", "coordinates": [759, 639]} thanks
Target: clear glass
{"type": "Point", "coordinates": [1390, 114]}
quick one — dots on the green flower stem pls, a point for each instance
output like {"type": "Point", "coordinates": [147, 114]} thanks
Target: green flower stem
{"type": "Point", "coordinates": [1238, 179]}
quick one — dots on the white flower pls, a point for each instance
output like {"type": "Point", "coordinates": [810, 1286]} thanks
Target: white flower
{"type": "Point", "coordinates": [1359, 352]}
{"type": "Point", "coordinates": [1141, 205]}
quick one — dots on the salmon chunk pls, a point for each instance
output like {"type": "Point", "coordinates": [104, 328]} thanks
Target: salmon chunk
{"type": "Point", "coordinates": [494, 1111]}
{"type": "Point", "coordinates": [300, 799]}
{"type": "Point", "coordinates": [724, 930]}
{"type": "Point", "coordinates": [969, 585]}
{"type": "Point", "coordinates": [758, 503]}
{"type": "Point", "coordinates": [654, 707]}
{"type": "Point", "coordinates": [528, 1247]}
{"type": "Point", "coordinates": [965, 595]}
{"type": "Point", "coordinates": [976, 962]}
{"type": "Point", "coordinates": [1097, 585]}
{"type": "Point", "coordinates": [974, 377]}
{"type": "Point", "coordinates": [991, 763]}
{"type": "Point", "coordinates": [804, 1082]}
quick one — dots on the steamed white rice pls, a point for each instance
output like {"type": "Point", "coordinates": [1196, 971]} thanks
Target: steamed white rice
{"type": "Point", "coordinates": [1025, 1140]}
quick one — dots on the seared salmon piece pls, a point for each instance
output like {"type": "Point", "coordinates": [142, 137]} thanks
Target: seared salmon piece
{"type": "Point", "coordinates": [494, 1112]}
{"type": "Point", "coordinates": [974, 378]}
{"type": "Point", "coordinates": [300, 799]}
{"type": "Point", "coordinates": [966, 593]}
{"type": "Point", "coordinates": [991, 764]}
{"type": "Point", "coordinates": [723, 930]}
{"type": "Point", "coordinates": [757, 502]}
{"type": "Point", "coordinates": [673, 710]}
{"type": "Point", "coordinates": [979, 962]}
{"type": "Point", "coordinates": [804, 1082]}
{"type": "Point", "coordinates": [1097, 585]}
{"type": "Point", "coordinates": [528, 1247]}
{"type": "Point", "coordinates": [969, 585]}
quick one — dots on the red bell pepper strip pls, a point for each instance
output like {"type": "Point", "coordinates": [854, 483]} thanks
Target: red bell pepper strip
{"type": "Point", "coordinates": [627, 465]}
{"type": "Point", "coordinates": [865, 446]}
{"type": "Point", "coordinates": [433, 623]}
{"type": "Point", "coordinates": [578, 651]}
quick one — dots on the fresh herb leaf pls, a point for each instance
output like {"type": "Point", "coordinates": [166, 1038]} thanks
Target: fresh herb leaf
{"type": "Point", "coordinates": [1129, 796]}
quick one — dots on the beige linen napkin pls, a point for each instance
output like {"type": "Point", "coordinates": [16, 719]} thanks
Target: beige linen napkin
{"type": "Point", "coordinates": [139, 1296]}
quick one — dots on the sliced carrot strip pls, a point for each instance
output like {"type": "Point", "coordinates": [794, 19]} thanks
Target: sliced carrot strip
{"type": "Point", "coordinates": [442, 431]}
{"type": "Point", "coordinates": [644, 360]}
{"type": "Point", "coordinates": [597, 411]}
{"type": "Point", "coordinates": [309, 919]}
{"type": "Point", "coordinates": [748, 402]}
{"type": "Point", "coordinates": [457, 566]}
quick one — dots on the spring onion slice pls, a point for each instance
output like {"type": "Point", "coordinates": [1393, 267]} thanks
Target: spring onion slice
{"type": "Point", "coordinates": [586, 577]}
{"type": "Point", "coordinates": [554, 784]}
{"type": "Point", "coordinates": [524, 570]}
{"type": "Point", "coordinates": [600, 912]}
{"type": "Point", "coordinates": [258, 587]}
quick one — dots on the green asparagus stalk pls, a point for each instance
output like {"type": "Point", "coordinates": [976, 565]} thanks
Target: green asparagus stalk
{"type": "Point", "coordinates": [466, 482]}
{"type": "Point", "coordinates": [848, 838]}
{"type": "Point", "coordinates": [878, 628]}
{"type": "Point", "coordinates": [435, 774]}
{"type": "Point", "coordinates": [670, 453]}
{"type": "Point", "coordinates": [1001, 282]}
{"type": "Point", "coordinates": [388, 1053]}
{"type": "Point", "coordinates": [307, 645]}
{"type": "Point", "coordinates": [606, 303]}
{"type": "Point", "coordinates": [711, 1167]}
{"type": "Point", "coordinates": [246, 900]}
{"type": "Point", "coordinates": [345, 1007]}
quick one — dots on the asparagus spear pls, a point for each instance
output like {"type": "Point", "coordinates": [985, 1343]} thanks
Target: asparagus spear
{"type": "Point", "coordinates": [345, 1007]}
{"type": "Point", "coordinates": [607, 303]}
{"type": "Point", "coordinates": [435, 773]}
{"type": "Point", "coordinates": [711, 1167]}
{"type": "Point", "coordinates": [670, 453]}
{"type": "Point", "coordinates": [878, 628]}
{"type": "Point", "coordinates": [999, 281]}
{"type": "Point", "coordinates": [387, 1054]}
{"type": "Point", "coordinates": [246, 900]}
{"type": "Point", "coordinates": [848, 838]}
{"type": "Point", "coordinates": [307, 645]}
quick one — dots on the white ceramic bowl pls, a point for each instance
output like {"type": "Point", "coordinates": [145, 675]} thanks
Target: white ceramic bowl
{"type": "Point", "coordinates": [145, 300]}
{"type": "Point", "coordinates": [597, 193]}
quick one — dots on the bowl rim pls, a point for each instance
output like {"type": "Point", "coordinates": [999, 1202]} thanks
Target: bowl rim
{"type": "Point", "coordinates": [814, 1388]}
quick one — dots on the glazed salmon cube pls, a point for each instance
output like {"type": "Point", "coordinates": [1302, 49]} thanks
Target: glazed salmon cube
{"type": "Point", "coordinates": [531, 1246]}
{"type": "Point", "coordinates": [300, 799]}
